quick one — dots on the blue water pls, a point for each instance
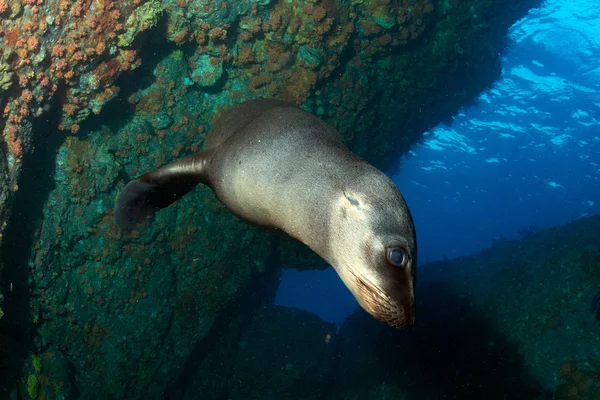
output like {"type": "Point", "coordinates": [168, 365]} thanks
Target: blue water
{"type": "Point", "coordinates": [527, 156]}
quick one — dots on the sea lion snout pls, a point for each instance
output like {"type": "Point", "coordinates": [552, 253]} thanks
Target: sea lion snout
{"type": "Point", "coordinates": [389, 300]}
{"type": "Point", "coordinates": [373, 246]}
{"type": "Point", "coordinates": [405, 315]}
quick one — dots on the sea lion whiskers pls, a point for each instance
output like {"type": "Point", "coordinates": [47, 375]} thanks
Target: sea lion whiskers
{"type": "Point", "coordinates": [376, 301]}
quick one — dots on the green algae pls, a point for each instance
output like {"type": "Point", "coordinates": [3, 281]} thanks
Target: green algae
{"type": "Point", "coordinates": [208, 70]}
{"type": "Point", "coordinates": [144, 17]}
{"type": "Point", "coordinates": [6, 76]}
{"type": "Point", "coordinates": [310, 56]}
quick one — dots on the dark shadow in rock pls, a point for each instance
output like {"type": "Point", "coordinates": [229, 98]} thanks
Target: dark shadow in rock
{"type": "Point", "coordinates": [212, 357]}
{"type": "Point", "coordinates": [595, 306]}
{"type": "Point", "coordinates": [284, 353]}
{"type": "Point", "coordinates": [35, 183]}
{"type": "Point", "coordinates": [117, 112]}
{"type": "Point", "coordinates": [452, 353]}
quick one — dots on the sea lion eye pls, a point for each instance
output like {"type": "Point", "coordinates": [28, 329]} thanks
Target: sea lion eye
{"type": "Point", "coordinates": [396, 257]}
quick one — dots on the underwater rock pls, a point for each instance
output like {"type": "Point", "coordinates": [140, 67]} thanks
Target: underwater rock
{"type": "Point", "coordinates": [46, 372]}
{"type": "Point", "coordinates": [275, 345]}
{"type": "Point", "coordinates": [5, 196]}
{"type": "Point", "coordinates": [144, 17]}
{"type": "Point", "coordinates": [207, 71]}
{"type": "Point", "coordinates": [279, 353]}
{"type": "Point", "coordinates": [514, 324]}
{"type": "Point", "coordinates": [131, 296]}
{"type": "Point", "coordinates": [6, 76]}
{"type": "Point", "coordinates": [485, 342]}
{"type": "Point", "coordinates": [595, 306]}
{"type": "Point", "coordinates": [162, 120]}
{"type": "Point", "coordinates": [310, 56]}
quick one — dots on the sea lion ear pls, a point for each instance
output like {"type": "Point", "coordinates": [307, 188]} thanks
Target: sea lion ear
{"type": "Point", "coordinates": [352, 200]}
{"type": "Point", "coordinates": [158, 189]}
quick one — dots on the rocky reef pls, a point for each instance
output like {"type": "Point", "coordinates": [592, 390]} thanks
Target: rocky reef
{"type": "Point", "coordinates": [93, 92]}
{"type": "Point", "coordinates": [512, 322]}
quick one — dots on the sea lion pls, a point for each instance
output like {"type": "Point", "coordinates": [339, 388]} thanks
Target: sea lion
{"type": "Point", "coordinates": [276, 165]}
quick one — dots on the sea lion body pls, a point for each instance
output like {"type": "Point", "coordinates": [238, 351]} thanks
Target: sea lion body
{"type": "Point", "coordinates": [267, 177]}
{"type": "Point", "coordinates": [275, 165]}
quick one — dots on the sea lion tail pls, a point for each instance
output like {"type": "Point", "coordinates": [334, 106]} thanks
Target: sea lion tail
{"type": "Point", "coordinates": [155, 190]}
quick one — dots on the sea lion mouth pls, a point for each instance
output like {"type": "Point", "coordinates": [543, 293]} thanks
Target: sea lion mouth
{"type": "Point", "coordinates": [381, 305]}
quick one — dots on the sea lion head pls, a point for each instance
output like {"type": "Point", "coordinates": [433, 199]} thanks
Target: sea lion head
{"type": "Point", "coordinates": [374, 248]}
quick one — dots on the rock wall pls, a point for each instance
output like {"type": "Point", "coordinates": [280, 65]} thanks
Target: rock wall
{"type": "Point", "coordinates": [518, 321]}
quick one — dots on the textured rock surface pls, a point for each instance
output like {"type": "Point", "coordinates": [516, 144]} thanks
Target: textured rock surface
{"type": "Point", "coordinates": [272, 361]}
{"type": "Point", "coordinates": [278, 353]}
{"type": "Point", "coordinates": [124, 84]}
{"type": "Point", "coordinates": [512, 322]}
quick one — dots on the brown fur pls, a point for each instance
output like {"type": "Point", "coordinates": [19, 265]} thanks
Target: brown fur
{"type": "Point", "coordinates": [275, 165]}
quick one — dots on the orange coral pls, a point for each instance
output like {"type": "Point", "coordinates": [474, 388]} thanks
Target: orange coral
{"type": "Point", "coordinates": [246, 55]}
{"type": "Point", "coordinates": [100, 47]}
{"type": "Point", "coordinates": [218, 33]}
{"type": "Point", "coordinates": [577, 384]}
{"type": "Point", "coordinates": [27, 95]}
{"type": "Point", "coordinates": [58, 50]}
{"type": "Point", "coordinates": [70, 109]}
{"type": "Point", "coordinates": [14, 142]}
{"type": "Point", "coordinates": [23, 80]}
{"type": "Point", "coordinates": [319, 13]}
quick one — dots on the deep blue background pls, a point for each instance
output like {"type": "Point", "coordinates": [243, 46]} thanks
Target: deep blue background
{"type": "Point", "coordinates": [527, 156]}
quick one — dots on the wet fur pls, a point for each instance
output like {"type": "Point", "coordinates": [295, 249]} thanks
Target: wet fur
{"type": "Point", "coordinates": [275, 165]}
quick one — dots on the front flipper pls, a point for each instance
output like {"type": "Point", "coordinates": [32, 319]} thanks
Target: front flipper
{"type": "Point", "coordinates": [155, 190]}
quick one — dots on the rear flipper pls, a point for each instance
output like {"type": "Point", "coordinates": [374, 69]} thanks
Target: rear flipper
{"type": "Point", "coordinates": [155, 190]}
